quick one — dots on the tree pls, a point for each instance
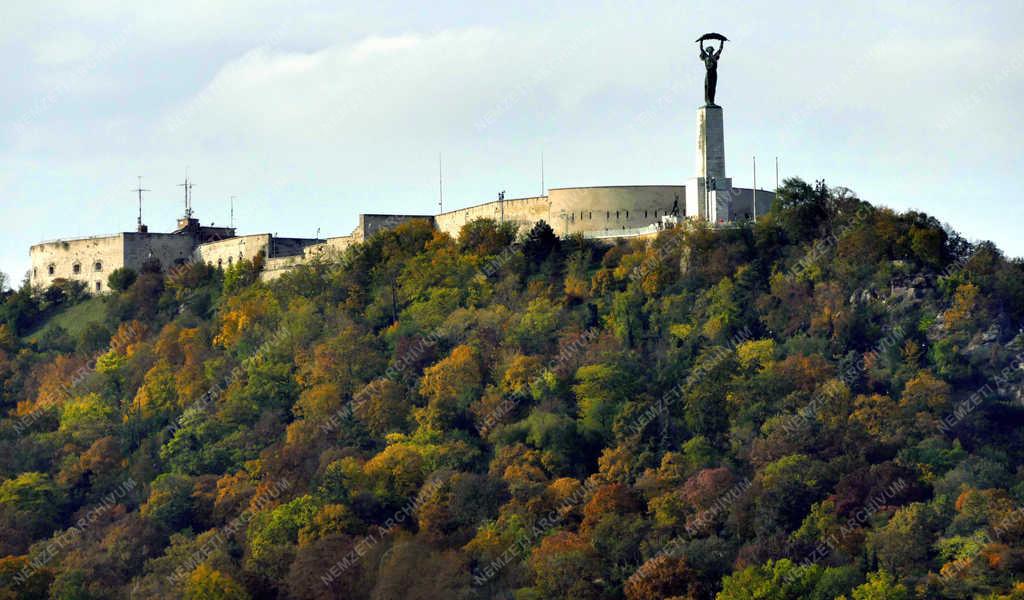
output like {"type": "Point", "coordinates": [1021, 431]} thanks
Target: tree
{"type": "Point", "coordinates": [784, 580]}
{"type": "Point", "coordinates": [663, 577]}
{"type": "Point", "coordinates": [170, 501]}
{"type": "Point", "coordinates": [601, 390]}
{"type": "Point", "coordinates": [903, 547]}
{"type": "Point", "coordinates": [33, 501]}
{"type": "Point", "coordinates": [121, 279]}
{"type": "Point", "coordinates": [206, 583]}
{"type": "Point", "coordinates": [87, 418]}
{"type": "Point", "coordinates": [450, 386]}
{"type": "Point", "coordinates": [242, 274]}
{"type": "Point", "coordinates": [786, 489]}
{"type": "Point", "coordinates": [540, 243]}
{"type": "Point", "coordinates": [486, 237]}
{"type": "Point", "coordinates": [566, 567]}
{"type": "Point", "coordinates": [881, 585]}
{"type": "Point", "coordinates": [402, 572]}
{"type": "Point", "coordinates": [315, 574]}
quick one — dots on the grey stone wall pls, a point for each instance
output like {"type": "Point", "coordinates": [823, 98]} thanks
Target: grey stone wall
{"type": "Point", "coordinates": [372, 223]}
{"type": "Point", "coordinates": [227, 252]}
{"type": "Point", "coordinates": [89, 260]}
{"type": "Point", "coordinates": [742, 203]}
{"type": "Point", "coordinates": [170, 249]}
{"type": "Point", "coordinates": [612, 208]}
{"type": "Point", "coordinates": [524, 212]}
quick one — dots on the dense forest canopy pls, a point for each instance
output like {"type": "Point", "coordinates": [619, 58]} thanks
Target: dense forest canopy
{"type": "Point", "coordinates": [824, 404]}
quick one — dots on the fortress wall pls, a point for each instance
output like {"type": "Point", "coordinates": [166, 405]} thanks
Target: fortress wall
{"type": "Point", "coordinates": [371, 224]}
{"type": "Point", "coordinates": [277, 266]}
{"type": "Point", "coordinates": [280, 247]}
{"type": "Point", "coordinates": [607, 209]}
{"type": "Point", "coordinates": [743, 203]}
{"type": "Point", "coordinates": [169, 248]}
{"type": "Point", "coordinates": [226, 252]}
{"type": "Point", "coordinates": [330, 246]}
{"type": "Point", "coordinates": [522, 211]}
{"type": "Point", "coordinates": [62, 256]}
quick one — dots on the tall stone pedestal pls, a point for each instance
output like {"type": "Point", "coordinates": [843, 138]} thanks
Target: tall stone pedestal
{"type": "Point", "coordinates": [710, 142]}
{"type": "Point", "coordinates": [708, 194]}
{"type": "Point", "coordinates": [712, 205]}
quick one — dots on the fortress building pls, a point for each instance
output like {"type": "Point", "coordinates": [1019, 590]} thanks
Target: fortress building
{"type": "Point", "coordinates": [608, 212]}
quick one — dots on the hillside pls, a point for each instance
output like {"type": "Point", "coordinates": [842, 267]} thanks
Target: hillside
{"type": "Point", "coordinates": [824, 404]}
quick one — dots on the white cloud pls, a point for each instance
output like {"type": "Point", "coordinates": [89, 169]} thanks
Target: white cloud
{"type": "Point", "coordinates": [383, 45]}
{"type": "Point", "coordinates": [64, 49]}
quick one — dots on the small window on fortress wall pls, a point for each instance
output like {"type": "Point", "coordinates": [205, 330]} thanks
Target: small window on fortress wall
{"type": "Point", "coordinates": [98, 266]}
{"type": "Point", "coordinates": [607, 214]}
{"type": "Point", "coordinates": [51, 269]}
{"type": "Point", "coordinates": [76, 268]}
{"type": "Point", "coordinates": [99, 286]}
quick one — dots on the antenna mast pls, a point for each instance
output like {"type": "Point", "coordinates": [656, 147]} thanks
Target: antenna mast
{"type": "Point", "coordinates": [754, 201]}
{"type": "Point", "coordinates": [139, 226]}
{"type": "Point", "coordinates": [188, 185]}
{"type": "Point", "coordinates": [440, 186]}
{"type": "Point", "coordinates": [542, 190]}
{"type": "Point", "coordinates": [231, 223]}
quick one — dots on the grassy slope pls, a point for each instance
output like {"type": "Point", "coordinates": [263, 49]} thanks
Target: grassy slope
{"type": "Point", "coordinates": [73, 319]}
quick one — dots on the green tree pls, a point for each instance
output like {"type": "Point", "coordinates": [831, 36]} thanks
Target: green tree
{"type": "Point", "coordinates": [206, 583]}
{"type": "Point", "coordinates": [121, 279]}
{"type": "Point", "coordinates": [170, 501]}
{"type": "Point", "coordinates": [881, 585]}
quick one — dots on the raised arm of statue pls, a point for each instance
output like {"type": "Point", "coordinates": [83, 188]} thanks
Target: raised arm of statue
{"type": "Point", "coordinates": [721, 46]}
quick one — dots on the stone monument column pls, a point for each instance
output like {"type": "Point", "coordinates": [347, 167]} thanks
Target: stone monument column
{"type": "Point", "coordinates": [708, 194]}
{"type": "Point", "coordinates": [710, 142]}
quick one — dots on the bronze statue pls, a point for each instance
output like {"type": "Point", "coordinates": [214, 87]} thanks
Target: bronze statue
{"type": "Point", "coordinates": [710, 58]}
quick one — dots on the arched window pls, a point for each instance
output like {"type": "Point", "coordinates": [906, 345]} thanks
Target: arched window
{"type": "Point", "coordinates": [627, 214]}
{"type": "Point", "coordinates": [98, 266]}
{"type": "Point", "coordinates": [99, 286]}
{"type": "Point", "coordinates": [51, 268]}
{"type": "Point", "coordinates": [220, 263]}
{"type": "Point", "coordinates": [76, 268]}
{"type": "Point", "coordinates": [35, 272]}
{"type": "Point", "coordinates": [645, 214]}
{"type": "Point", "coordinates": [607, 215]}
{"type": "Point", "coordinates": [231, 260]}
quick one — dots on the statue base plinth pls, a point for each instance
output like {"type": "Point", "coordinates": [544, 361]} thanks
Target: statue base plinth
{"type": "Point", "coordinates": [710, 142]}
{"type": "Point", "coordinates": [711, 203]}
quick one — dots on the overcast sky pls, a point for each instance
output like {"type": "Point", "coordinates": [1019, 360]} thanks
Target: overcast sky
{"type": "Point", "coordinates": [312, 112]}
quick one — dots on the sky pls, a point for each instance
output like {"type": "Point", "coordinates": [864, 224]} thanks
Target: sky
{"type": "Point", "coordinates": [312, 112]}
